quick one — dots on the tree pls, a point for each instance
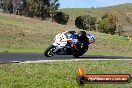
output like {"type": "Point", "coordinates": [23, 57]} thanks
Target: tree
{"type": "Point", "coordinates": [32, 8]}
{"type": "Point", "coordinates": [8, 6]}
{"type": "Point", "coordinates": [86, 22]}
{"type": "Point", "coordinates": [54, 5]}
{"type": "Point", "coordinates": [24, 9]}
{"type": "Point", "coordinates": [1, 4]}
{"type": "Point", "coordinates": [44, 9]}
{"type": "Point", "coordinates": [16, 6]}
{"type": "Point", "coordinates": [61, 18]}
{"type": "Point", "coordinates": [36, 8]}
{"type": "Point", "coordinates": [12, 6]}
{"type": "Point", "coordinates": [102, 26]}
{"type": "Point", "coordinates": [107, 24]}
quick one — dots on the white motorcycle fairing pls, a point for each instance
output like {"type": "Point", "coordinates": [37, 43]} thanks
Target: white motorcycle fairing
{"type": "Point", "coordinates": [60, 41]}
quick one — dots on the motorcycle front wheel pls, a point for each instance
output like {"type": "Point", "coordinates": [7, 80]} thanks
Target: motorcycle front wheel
{"type": "Point", "coordinates": [49, 51]}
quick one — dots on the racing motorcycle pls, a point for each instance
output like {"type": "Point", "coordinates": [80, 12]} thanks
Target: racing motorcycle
{"type": "Point", "coordinates": [62, 44]}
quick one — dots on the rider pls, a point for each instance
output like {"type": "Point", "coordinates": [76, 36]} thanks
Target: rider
{"type": "Point", "coordinates": [74, 38]}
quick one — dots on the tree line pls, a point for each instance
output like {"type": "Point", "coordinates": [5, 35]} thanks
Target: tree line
{"type": "Point", "coordinates": [43, 9]}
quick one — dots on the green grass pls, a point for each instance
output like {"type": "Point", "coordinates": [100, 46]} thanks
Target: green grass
{"type": "Point", "coordinates": [110, 45]}
{"type": "Point", "coordinates": [60, 74]}
{"type": "Point", "coordinates": [25, 33]}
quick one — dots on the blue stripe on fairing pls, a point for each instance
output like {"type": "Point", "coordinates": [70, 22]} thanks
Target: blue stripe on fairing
{"type": "Point", "coordinates": [73, 37]}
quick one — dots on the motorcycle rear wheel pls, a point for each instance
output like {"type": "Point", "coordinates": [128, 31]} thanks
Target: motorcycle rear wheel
{"type": "Point", "coordinates": [49, 51]}
{"type": "Point", "coordinates": [77, 54]}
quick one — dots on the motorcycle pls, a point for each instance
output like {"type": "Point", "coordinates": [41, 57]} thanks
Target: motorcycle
{"type": "Point", "coordinates": [62, 45]}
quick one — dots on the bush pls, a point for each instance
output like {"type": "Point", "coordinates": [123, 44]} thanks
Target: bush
{"type": "Point", "coordinates": [86, 22]}
{"type": "Point", "coordinates": [79, 22]}
{"type": "Point", "coordinates": [61, 18]}
{"type": "Point", "coordinates": [107, 24]}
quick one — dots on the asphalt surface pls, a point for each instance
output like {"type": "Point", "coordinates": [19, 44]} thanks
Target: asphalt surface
{"type": "Point", "coordinates": [13, 57]}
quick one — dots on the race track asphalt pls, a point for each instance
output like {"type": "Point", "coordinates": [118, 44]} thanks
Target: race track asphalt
{"type": "Point", "coordinates": [9, 57]}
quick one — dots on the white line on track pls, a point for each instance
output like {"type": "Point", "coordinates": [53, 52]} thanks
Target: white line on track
{"type": "Point", "coordinates": [42, 61]}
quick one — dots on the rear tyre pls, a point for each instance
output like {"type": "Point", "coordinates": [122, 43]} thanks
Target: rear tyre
{"type": "Point", "coordinates": [81, 50]}
{"type": "Point", "coordinates": [49, 51]}
{"type": "Point", "coordinates": [77, 54]}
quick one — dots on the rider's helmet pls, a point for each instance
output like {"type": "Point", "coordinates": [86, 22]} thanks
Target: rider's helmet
{"type": "Point", "coordinates": [82, 37]}
{"type": "Point", "coordinates": [81, 33]}
{"type": "Point", "coordinates": [91, 38]}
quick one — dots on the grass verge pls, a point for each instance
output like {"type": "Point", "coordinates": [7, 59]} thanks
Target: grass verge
{"type": "Point", "coordinates": [60, 74]}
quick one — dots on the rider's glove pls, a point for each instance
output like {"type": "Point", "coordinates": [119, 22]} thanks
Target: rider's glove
{"type": "Point", "coordinates": [74, 46]}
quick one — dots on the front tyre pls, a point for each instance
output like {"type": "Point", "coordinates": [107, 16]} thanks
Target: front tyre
{"type": "Point", "coordinates": [49, 51]}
